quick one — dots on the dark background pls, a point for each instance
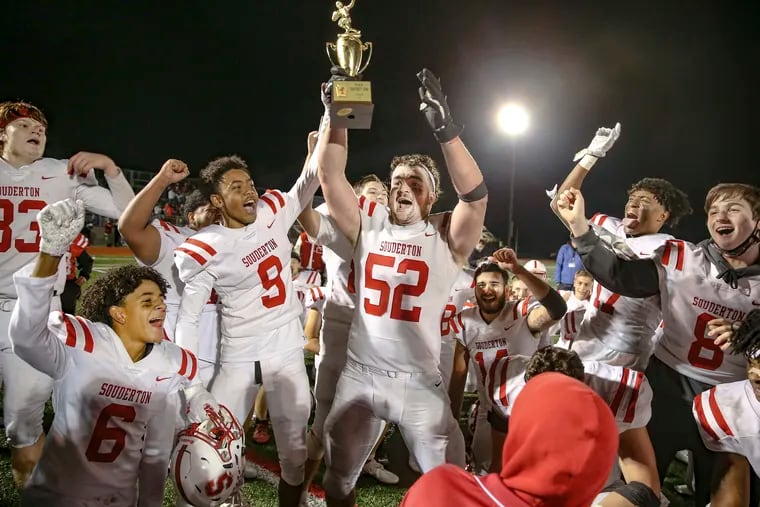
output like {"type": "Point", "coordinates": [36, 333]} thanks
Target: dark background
{"type": "Point", "coordinates": [146, 81]}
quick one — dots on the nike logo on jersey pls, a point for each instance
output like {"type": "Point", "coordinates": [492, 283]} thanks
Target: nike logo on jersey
{"type": "Point", "coordinates": [508, 327]}
{"type": "Point", "coordinates": [160, 379]}
{"type": "Point", "coordinates": [428, 234]}
{"type": "Point", "coordinates": [48, 177]}
{"type": "Point", "coordinates": [271, 224]}
{"type": "Point", "coordinates": [438, 383]}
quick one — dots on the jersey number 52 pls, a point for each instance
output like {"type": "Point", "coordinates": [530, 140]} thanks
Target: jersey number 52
{"type": "Point", "coordinates": [377, 262]}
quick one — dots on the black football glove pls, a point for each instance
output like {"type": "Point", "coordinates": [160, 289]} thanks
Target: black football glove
{"type": "Point", "coordinates": [436, 108]}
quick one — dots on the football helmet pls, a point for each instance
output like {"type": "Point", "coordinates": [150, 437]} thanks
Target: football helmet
{"type": "Point", "coordinates": [536, 267]}
{"type": "Point", "coordinates": [207, 463]}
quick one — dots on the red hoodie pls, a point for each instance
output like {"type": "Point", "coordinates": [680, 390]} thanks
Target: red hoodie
{"type": "Point", "coordinates": [561, 445]}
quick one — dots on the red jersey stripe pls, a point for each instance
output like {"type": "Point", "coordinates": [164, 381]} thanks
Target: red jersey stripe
{"type": "Point", "coordinates": [89, 343]}
{"type": "Point", "coordinates": [269, 202]}
{"type": "Point", "coordinates": [278, 196]}
{"type": "Point", "coordinates": [702, 418]}
{"type": "Point", "coordinates": [615, 405]}
{"type": "Point", "coordinates": [183, 365]}
{"type": "Point", "coordinates": [631, 412]}
{"type": "Point", "coordinates": [71, 333]}
{"type": "Point", "coordinates": [194, 365]}
{"type": "Point", "coordinates": [203, 246]}
{"type": "Point", "coordinates": [679, 261]}
{"type": "Point", "coordinates": [715, 409]}
{"type": "Point", "coordinates": [195, 255]}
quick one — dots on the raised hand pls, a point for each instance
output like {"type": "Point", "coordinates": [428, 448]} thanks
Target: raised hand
{"type": "Point", "coordinates": [83, 162]}
{"type": "Point", "coordinates": [572, 209]}
{"type": "Point", "coordinates": [174, 171]}
{"type": "Point", "coordinates": [59, 224]}
{"type": "Point", "coordinates": [507, 259]}
{"type": "Point", "coordinates": [436, 108]}
{"type": "Point", "coordinates": [601, 143]}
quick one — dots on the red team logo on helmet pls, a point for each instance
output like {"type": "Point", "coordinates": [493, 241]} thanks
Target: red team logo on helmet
{"type": "Point", "coordinates": [207, 463]}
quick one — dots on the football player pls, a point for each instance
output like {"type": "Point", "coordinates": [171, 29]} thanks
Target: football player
{"type": "Point", "coordinates": [626, 391]}
{"type": "Point", "coordinates": [494, 329]}
{"type": "Point", "coordinates": [246, 259]}
{"type": "Point", "coordinates": [406, 262]}
{"type": "Point", "coordinates": [577, 304]}
{"type": "Point", "coordinates": [112, 434]}
{"type": "Point", "coordinates": [728, 418]}
{"type": "Point", "coordinates": [703, 289]}
{"type": "Point", "coordinates": [336, 322]}
{"type": "Point", "coordinates": [616, 329]}
{"type": "Point", "coordinates": [153, 243]}
{"type": "Point", "coordinates": [29, 181]}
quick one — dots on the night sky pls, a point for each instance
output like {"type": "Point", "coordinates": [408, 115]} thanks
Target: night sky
{"type": "Point", "coordinates": [147, 81]}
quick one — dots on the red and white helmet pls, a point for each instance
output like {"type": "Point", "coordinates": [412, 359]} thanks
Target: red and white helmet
{"type": "Point", "coordinates": [207, 463]}
{"type": "Point", "coordinates": [536, 267]}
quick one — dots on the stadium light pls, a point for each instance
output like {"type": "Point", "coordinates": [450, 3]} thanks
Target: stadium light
{"type": "Point", "coordinates": [513, 119]}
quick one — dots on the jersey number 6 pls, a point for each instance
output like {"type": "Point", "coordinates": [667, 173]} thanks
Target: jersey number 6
{"type": "Point", "coordinates": [401, 290]}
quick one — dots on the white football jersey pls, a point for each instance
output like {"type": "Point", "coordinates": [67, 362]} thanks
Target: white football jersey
{"type": "Point", "coordinates": [171, 236]}
{"type": "Point", "coordinates": [337, 254]}
{"type": "Point", "coordinates": [620, 323]}
{"type": "Point", "coordinates": [461, 297]}
{"type": "Point", "coordinates": [507, 335]}
{"type": "Point", "coordinates": [114, 418]}
{"type": "Point", "coordinates": [249, 268]}
{"type": "Point", "coordinates": [25, 191]}
{"type": "Point", "coordinates": [571, 321]}
{"type": "Point", "coordinates": [403, 278]}
{"type": "Point", "coordinates": [310, 298]}
{"type": "Point", "coordinates": [728, 418]}
{"type": "Point", "coordinates": [309, 278]}
{"type": "Point", "coordinates": [692, 295]}
{"type": "Point", "coordinates": [626, 391]}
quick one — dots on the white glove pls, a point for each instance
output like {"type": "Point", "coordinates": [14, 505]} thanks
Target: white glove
{"type": "Point", "coordinates": [199, 401]}
{"type": "Point", "coordinates": [601, 143]}
{"type": "Point", "coordinates": [60, 223]}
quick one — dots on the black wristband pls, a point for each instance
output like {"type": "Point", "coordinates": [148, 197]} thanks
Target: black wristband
{"type": "Point", "coordinates": [554, 303]}
{"type": "Point", "coordinates": [476, 194]}
{"type": "Point", "coordinates": [448, 132]}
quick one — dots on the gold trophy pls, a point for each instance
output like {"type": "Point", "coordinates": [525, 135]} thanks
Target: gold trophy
{"type": "Point", "coordinates": [351, 99]}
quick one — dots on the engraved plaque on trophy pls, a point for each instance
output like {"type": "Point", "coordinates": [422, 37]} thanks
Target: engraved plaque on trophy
{"type": "Point", "coordinates": [351, 97]}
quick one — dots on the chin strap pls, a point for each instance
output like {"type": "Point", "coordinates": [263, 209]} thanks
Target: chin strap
{"type": "Point", "coordinates": [754, 237]}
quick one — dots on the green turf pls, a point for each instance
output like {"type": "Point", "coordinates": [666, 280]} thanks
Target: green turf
{"type": "Point", "coordinates": [259, 493]}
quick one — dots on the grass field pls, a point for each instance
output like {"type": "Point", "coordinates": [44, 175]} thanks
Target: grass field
{"type": "Point", "coordinates": [263, 492]}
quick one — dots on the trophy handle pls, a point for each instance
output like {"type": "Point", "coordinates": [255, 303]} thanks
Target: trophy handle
{"type": "Point", "coordinates": [366, 46]}
{"type": "Point", "coordinates": [328, 47]}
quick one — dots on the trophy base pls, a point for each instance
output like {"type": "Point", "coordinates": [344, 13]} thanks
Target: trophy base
{"type": "Point", "coordinates": [351, 115]}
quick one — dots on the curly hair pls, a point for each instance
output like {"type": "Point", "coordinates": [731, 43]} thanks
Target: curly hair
{"type": "Point", "coordinates": [749, 193]}
{"type": "Point", "coordinates": [554, 359]}
{"type": "Point", "coordinates": [491, 267]}
{"type": "Point", "coordinates": [213, 173]}
{"type": "Point", "coordinates": [674, 200]}
{"type": "Point", "coordinates": [419, 160]}
{"type": "Point", "coordinates": [113, 287]}
{"type": "Point", "coordinates": [193, 201]}
{"type": "Point", "coordinates": [746, 339]}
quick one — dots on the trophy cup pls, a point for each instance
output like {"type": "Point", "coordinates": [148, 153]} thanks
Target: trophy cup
{"type": "Point", "coordinates": [351, 99]}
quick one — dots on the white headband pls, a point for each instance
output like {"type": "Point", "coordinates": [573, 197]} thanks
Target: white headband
{"type": "Point", "coordinates": [430, 175]}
